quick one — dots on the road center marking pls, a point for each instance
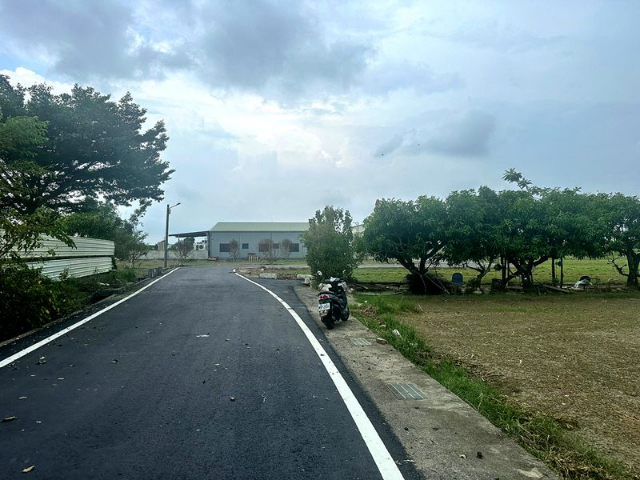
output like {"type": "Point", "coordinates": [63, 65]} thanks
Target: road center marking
{"type": "Point", "coordinates": [41, 343]}
{"type": "Point", "coordinates": [387, 467]}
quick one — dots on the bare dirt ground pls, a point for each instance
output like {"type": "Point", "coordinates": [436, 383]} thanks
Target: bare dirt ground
{"type": "Point", "coordinates": [576, 357]}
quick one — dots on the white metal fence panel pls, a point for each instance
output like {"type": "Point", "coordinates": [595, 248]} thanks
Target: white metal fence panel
{"type": "Point", "coordinates": [85, 247]}
{"type": "Point", "coordinates": [76, 267]}
{"type": "Point", "coordinates": [89, 257]}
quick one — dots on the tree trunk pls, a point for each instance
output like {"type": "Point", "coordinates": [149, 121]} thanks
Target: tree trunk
{"type": "Point", "coordinates": [561, 271]}
{"type": "Point", "coordinates": [553, 270]}
{"type": "Point", "coordinates": [633, 261]}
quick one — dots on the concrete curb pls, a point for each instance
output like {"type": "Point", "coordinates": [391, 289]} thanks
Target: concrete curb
{"type": "Point", "coordinates": [446, 437]}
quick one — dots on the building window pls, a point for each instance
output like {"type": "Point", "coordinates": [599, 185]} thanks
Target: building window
{"type": "Point", "coordinates": [295, 247]}
{"type": "Point", "coordinates": [224, 248]}
{"type": "Point", "coordinates": [276, 246]}
{"type": "Point", "coordinates": [263, 247]}
{"type": "Point", "coordinates": [245, 246]}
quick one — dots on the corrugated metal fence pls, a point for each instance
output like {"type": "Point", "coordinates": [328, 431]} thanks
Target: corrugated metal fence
{"type": "Point", "coordinates": [90, 256]}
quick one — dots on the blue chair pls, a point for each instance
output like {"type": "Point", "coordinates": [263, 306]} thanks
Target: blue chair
{"type": "Point", "coordinates": [457, 281]}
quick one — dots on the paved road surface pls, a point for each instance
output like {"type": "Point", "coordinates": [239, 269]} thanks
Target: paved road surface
{"type": "Point", "coordinates": [145, 391]}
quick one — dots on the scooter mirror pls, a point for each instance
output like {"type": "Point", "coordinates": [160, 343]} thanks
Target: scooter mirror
{"type": "Point", "coordinates": [319, 273]}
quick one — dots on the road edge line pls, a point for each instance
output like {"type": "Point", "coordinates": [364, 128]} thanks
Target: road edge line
{"type": "Point", "coordinates": [41, 343]}
{"type": "Point", "coordinates": [381, 456]}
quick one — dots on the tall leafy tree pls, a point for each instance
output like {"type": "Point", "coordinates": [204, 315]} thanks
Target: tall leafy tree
{"type": "Point", "coordinates": [623, 221]}
{"type": "Point", "coordinates": [473, 230]}
{"type": "Point", "coordinates": [543, 223]}
{"type": "Point", "coordinates": [93, 147]}
{"type": "Point", "coordinates": [101, 220]}
{"type": "Point", "coordinates": [21, 137]}
{"type": "Point", "coordinates": [330, 243]}
{"type": "Point", "coordinates": [413, 233]}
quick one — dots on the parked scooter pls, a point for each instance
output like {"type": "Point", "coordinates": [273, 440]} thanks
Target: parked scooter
{"type": "Point", "coordinates": [332, 301]}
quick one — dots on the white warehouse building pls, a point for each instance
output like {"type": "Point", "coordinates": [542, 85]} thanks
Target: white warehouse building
{"type": "Point", "coordinates": [253, 240]}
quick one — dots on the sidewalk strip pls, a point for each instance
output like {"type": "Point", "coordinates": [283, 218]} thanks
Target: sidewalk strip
{"type": "Point", "coordinates": [35, 346]}
{"type": "Point", "coordinates": [381, 456]}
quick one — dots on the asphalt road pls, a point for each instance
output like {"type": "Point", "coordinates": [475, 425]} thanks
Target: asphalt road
{"type": "Point", "coordinates": [202, 375]}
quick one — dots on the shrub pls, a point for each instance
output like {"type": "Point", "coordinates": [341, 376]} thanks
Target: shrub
{"type": "Point", "coordinates": [29, 300]}
{"type": "Point", "coordinates": [330, 243]}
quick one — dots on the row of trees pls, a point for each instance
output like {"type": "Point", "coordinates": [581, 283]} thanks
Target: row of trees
{"type": "Point", "coordinates": [68, 160]}
{"type": "Point", "coordinates": [513, 230]}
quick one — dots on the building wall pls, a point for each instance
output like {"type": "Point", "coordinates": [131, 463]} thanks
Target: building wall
{"type": "Point", "coordinates": [251, 241]}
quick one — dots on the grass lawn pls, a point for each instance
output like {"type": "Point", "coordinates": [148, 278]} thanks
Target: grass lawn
{"type": "Point", "coordinates": [599, 269]}
{"type": "Point", "coordinates": [560, 367]}
{"type": "Point", "coordinates": [377, 272]}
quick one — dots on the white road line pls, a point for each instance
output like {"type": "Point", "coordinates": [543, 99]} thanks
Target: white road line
{"type": "Point", "coordinates": [387, 467]}
{"type": "Point", "coordinates": [35, 346]}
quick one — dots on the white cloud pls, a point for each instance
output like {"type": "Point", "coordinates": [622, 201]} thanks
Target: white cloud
{"type": "Point", "coordinates": [275, 109]}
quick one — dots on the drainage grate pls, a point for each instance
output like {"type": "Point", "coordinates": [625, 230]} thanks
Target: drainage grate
{"type": "Point", "coordinates": [360, 342]}
{"type": "Point", "coordinates": [406, 391]}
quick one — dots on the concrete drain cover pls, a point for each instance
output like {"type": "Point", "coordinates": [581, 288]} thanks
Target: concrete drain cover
{"type": "Point", "coordinates": [360, 342]}
{"type": "Point", "coordinates": [406, 391]}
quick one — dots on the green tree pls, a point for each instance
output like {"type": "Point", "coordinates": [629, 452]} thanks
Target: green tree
{"type": "Point", "coordinates": [330, 244]}
{"type": "Point", "coordinates": [473, 229]}
{"type": "Point", "coordinates": [413, 233]}
{"type": "Point", "coordinates": [101, 220]}
{"type": "Point", "coordinates": [623, 239]}
{"type": "Point", "coordinates": [93, 147]}
{"type": "Point", "coordinates": [21, 137]}
{"type": "Point", "coordinates": [543, 223]}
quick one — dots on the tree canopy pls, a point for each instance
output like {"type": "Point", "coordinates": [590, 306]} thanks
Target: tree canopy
{"type": "Point", "coordinates": [330, 244]}
{"type": "Point", "coordinates": [75, 152]}
{"type": "Point", "coordinates": [412, 233]}
{"type": "Point", "coordinates": [518, 229]}
{"type": "Point", "coordinates": [101, 220]}
{"type": "Point", "coordinates": [64, 148]}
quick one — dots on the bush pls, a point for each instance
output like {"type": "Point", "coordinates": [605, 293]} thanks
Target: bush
{"type": "Point", "coordinates": [29, 300]}
{"type": "Point", "coordinates": [330, 243]}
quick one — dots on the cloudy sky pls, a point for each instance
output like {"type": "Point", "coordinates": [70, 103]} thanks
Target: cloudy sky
{"type": "Point", "coordinates": [277, 108]}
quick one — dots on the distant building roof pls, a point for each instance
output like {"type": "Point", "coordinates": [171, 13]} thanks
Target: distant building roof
{"type": "Point", "coordinates": [260, 227]}
{"type": "Point", "coordinates": [201, 233]}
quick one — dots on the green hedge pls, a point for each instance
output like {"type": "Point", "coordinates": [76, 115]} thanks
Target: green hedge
{"type": "Point", "coordinates": [29, 300]}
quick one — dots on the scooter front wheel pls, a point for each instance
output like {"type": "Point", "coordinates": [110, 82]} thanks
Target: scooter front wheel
{"type": "Point", "coordinates": [345, 314]}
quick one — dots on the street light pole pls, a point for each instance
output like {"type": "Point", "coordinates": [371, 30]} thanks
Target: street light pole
{"type": "Point", "coordinates": [166, 233]}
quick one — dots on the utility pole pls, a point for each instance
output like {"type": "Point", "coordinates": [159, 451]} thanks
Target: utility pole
{"type": "Point", "coordinates": [166, 233]}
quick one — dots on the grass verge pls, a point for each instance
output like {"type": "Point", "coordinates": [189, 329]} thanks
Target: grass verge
{"type": "Point", "coordinates": [545, 437]}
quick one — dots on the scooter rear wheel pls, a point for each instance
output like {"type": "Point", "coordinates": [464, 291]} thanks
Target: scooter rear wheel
{"type": "Point", "coordinates": [328, 321]}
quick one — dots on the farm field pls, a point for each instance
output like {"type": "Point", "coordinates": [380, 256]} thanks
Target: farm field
{"type": "Point", "coordinates": [572, 357]}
